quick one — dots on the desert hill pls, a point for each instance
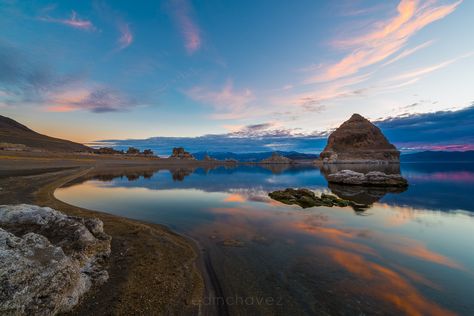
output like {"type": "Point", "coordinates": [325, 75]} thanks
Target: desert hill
{"type": "Point", "coordinates": [12, 132]}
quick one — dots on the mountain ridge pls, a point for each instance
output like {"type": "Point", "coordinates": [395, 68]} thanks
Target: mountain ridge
{"type": "Point", "coordinates": [13, 132]}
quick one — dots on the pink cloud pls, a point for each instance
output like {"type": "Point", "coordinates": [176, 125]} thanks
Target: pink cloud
{"type": "Point", "coordinates": [189, 29]}
{"type": "Point", "coordinates": [385, 39]}
{"type": "Point", "coordinates": [73, 21]}
{"type": "Point", "coordinates": [126, 36]}
{"type": "Point", "coordinates": [229, 104]}
{"type": "Point", "coordinates": [98, 99]}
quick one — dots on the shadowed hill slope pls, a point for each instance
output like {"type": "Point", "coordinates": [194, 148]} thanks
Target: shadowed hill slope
{"type": "Point", "coordinates": [13, 132]}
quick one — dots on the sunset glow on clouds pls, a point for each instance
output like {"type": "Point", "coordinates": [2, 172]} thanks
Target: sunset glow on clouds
{"type": "Point", "coordinates": [306, 67]}
{"type": "Point", "coordinates": [73, 21]}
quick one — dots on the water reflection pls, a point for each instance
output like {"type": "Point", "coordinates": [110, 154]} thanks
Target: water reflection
{"type": "Point", "coordinates": [432, 186]}
{"type": "Point", "coordinates": [406, 257]}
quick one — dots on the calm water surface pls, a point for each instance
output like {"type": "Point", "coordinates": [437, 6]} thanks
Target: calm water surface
{"type": "Point", "coordinates": [411, 252]}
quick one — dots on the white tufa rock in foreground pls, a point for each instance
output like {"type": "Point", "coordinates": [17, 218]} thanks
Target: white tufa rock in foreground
{"type": "Point", "coordinates": [373, 178]}
{"type": "Point", "coordinates": [48, 260]}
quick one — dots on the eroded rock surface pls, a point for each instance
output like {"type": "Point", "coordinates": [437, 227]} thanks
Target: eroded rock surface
{"type": "Point", "coordinates": [357, 140]}
{"type": "Point", "coordinates": [307, 198]}
{"type": "Point", "coordinates": [48, 260]}
{"type": "Point", "coordinates": [180, 153]}
{"type": "Point", "coordinates": [373, 178]}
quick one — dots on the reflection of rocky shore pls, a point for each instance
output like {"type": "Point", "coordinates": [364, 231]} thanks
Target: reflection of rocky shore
{"type": "Point", "coordinates": [361, 194]}
{"type": "Point", "coordinates": [357, 193]}
{"type": "Point", "coordinates": [327, 169]}
{"type": "Point", "coordinates": [180, 173]}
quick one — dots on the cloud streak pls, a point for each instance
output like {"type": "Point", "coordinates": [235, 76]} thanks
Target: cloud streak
{"type": "Point", "coordinates": [126, 36]}
{"type": "Point", "coordinates": [384, 40]}
{"type": "Point", "coordinates": [74, 21]}
{"type": "Point", "coordinates": [182, 12]}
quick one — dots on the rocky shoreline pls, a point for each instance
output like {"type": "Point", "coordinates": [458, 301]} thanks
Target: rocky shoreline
{"type": "Point", "coordinates": [49, 260]}
{"type": "Point", "coordinates": [143, 255]}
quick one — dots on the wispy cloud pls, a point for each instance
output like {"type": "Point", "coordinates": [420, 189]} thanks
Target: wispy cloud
{"type": "Point", "coordinates": [74, 21]}
{"type": "Point", "coordinates": [228, 103]}
{"type": "Point", "coordinates": [29, 81]}
{"type": "Point", "coordinates": [98, 100]}
{"type": "Point", "coordinates": [384, 39]}
{"type": "Point", "coordinates": [408, 52]}
{"type": "Point", "coordinates": [126, 36]}
{"type": "Point", "coordinates": [425, 70]}
{"type": "Point", "coordinates": [182, 13]}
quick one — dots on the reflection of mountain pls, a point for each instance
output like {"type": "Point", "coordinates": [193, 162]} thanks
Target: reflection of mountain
{"type": "Point", "coordinates": [439, 156]}
{"type": "Point", "coordinates": [432, 186]}
{"type": "Point", "coordinates": [362, 195]}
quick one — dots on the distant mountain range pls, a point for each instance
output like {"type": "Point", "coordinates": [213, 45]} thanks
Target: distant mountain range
{"type": "Point", "coordinates": [254, 157]}
{"type": "Point", "coordinates": [12, 132]}
{"type": "Point", "coordinates": [439, 156]}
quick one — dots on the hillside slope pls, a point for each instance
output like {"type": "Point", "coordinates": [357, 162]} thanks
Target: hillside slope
{"type": "Point", "coordinates": [15, 133]}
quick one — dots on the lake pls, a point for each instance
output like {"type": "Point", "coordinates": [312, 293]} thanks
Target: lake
{"type": "Point", "coordinates": [411, 252]}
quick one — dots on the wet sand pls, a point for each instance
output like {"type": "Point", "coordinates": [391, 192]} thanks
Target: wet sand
{"type": "Point", "coordinates": [152, 269]}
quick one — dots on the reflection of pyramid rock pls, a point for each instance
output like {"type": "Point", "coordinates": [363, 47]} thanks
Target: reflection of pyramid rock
{"type": "Point", "coordinates": [357, 140]}
{"type": "Point", "coordinates": [276, 168]}
{"type": "Point", "coordinates": [361, 194]}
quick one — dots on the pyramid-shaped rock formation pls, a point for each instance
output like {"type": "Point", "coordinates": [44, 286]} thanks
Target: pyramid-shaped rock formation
{"type": "Point", "coordinates": [357, 140]}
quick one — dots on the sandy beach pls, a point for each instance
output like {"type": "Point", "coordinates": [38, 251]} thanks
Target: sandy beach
{"type": "Point", "coordinates": [152, 269]}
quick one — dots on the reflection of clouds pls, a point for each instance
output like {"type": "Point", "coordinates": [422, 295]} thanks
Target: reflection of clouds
{"type": "Point", "coordinates": [361, 252]}
{"type": "Point", "coordinates": [385, 283]}
{"type": "Point", "coordinates": [235, 198]}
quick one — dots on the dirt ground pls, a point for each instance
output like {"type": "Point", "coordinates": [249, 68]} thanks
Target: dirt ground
{"type": "Point", "coordinates": [153, 271]}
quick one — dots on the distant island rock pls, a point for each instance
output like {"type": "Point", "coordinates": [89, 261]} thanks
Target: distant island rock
{"type": "Point", "coordinates": [373, 178]}
{"type": "Point", "coordinates": [357, 140]}
{"type": "Point", "coordinates": [180, 153]}
{"type": "Point", "coordinates": [275, 158]}
{"type": "Point", "coordinates": [48, 259]}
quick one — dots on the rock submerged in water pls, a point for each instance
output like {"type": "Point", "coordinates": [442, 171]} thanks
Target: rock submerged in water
{"type": "Point", "coordinates": [373, 178]}
{"type": "Point", "coordinates": [307, 198]}
{"type": "Point", "coordinates": [357, 140]}
{"type": "Point", "coordinates": [48, 259]}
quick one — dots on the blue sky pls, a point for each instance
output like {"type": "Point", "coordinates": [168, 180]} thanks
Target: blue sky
{"type": "Point", "coordinates": [89, 70]}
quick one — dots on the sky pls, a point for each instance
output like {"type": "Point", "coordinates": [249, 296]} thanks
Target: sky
{"type": "Point", "coordinates": [260, 70]}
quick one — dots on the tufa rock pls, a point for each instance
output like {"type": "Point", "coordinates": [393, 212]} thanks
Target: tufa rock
{"type": "Point", "coordinates": [180, 153]}
{"type": "Point", "coordinates": [48, 259]}
{"type": "Point", "coordinates": [373, 178]}
{"type": "Point", "coordinates": [357, 140]}
{"type": "Point", "coordinates": [276, 159]}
